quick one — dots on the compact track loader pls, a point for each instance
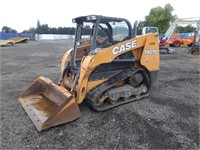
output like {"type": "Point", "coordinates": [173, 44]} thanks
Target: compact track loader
{"type": "Point", "coordinates": [107, 67]}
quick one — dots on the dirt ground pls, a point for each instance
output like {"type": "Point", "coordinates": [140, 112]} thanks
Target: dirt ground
{"type": "Point", "coordinates": [168, 119]}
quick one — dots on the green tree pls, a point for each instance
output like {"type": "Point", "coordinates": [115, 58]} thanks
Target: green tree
{"type": "Point", "coordinates": [25, 31]}
{"type": "Point", "coordinates": [32, 30]}
{"type": "Point", "coordinates": [53, 30]}
{"type": "Point", "coordinates": [87, 30]}
{"type": "Point", "coordinates": [38, 23]}
{"type": "Point", "coordinates": [139, 27]}
{"type": "Point", "coordinates": [187, 29]}
{"type": "Point", "coordinates": [43, 29]}
{"type": "Point", "coordinates": [7, 29]}
{"type": "Point", "coordinates": [13, 31]}
{"type": "Point", "coordinates": [160, 17]}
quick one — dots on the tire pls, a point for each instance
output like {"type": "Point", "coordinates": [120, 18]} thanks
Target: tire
{"type": "Point", "coordinates": [177, 43]}
{"type": "Point", "coordinates": [171, 45]}
{"type": "Point", "coordinates": [190, 45]}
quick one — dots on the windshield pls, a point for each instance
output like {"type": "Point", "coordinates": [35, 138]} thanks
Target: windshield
{"type": "Point", "coordinates": [120, 30]}
{"type": "Point", "coordinates": [92, 36]}
{"type": "Point", "coordinates": [114, 31]}
{"type": "Point", "coordinates": [87, 30]}
{"type": "Point", "coordinates": [151, 30]}
{"type": "Point", "coordinates": [94, 33]}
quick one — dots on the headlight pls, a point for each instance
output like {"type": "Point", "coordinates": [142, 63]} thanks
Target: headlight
{"type": "Point", "coordinates": [88, 18]}
{"type": "Point", "coordinates": [93, 18]}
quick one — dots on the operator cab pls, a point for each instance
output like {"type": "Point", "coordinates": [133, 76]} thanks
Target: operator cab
{"type": "Point", "coordinates": [95, 32]}
{"type": "Point", "coordinates": [101, 31]}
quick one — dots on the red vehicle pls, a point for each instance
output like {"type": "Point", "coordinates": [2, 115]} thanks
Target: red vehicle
{"type": "Point", "coordinates": [189, 40]}
{"type": "Point", "coordinates": [175, 40]}
{"type": "Point", "coordinates": [162, 42]}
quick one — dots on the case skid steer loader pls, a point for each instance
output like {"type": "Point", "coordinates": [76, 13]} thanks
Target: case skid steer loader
{"type": "Point", "coordinates": [106, 69]}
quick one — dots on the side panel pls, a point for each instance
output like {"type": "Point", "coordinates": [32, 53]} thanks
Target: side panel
{"type": "Point", "coordinates": [151, 55]}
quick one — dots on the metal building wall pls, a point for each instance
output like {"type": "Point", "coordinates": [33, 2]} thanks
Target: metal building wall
{"type": "Point", "coordinates": [5, 36]}
{"type": "Point", "coordinates": [39, 37]}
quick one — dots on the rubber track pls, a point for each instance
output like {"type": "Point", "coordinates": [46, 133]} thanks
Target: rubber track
{"type": "Point", "coordinates": [94, 94]}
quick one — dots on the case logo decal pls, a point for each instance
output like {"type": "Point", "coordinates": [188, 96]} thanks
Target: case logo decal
{"type": "Point", "coordinates": [124, 47]}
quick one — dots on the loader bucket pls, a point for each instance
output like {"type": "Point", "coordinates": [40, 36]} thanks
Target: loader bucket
{"type": "Point", "coordinates": [48, 104]}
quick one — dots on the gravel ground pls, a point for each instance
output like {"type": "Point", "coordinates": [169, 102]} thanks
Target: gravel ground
{"type": "Point", "coordinates": [168, 119]}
